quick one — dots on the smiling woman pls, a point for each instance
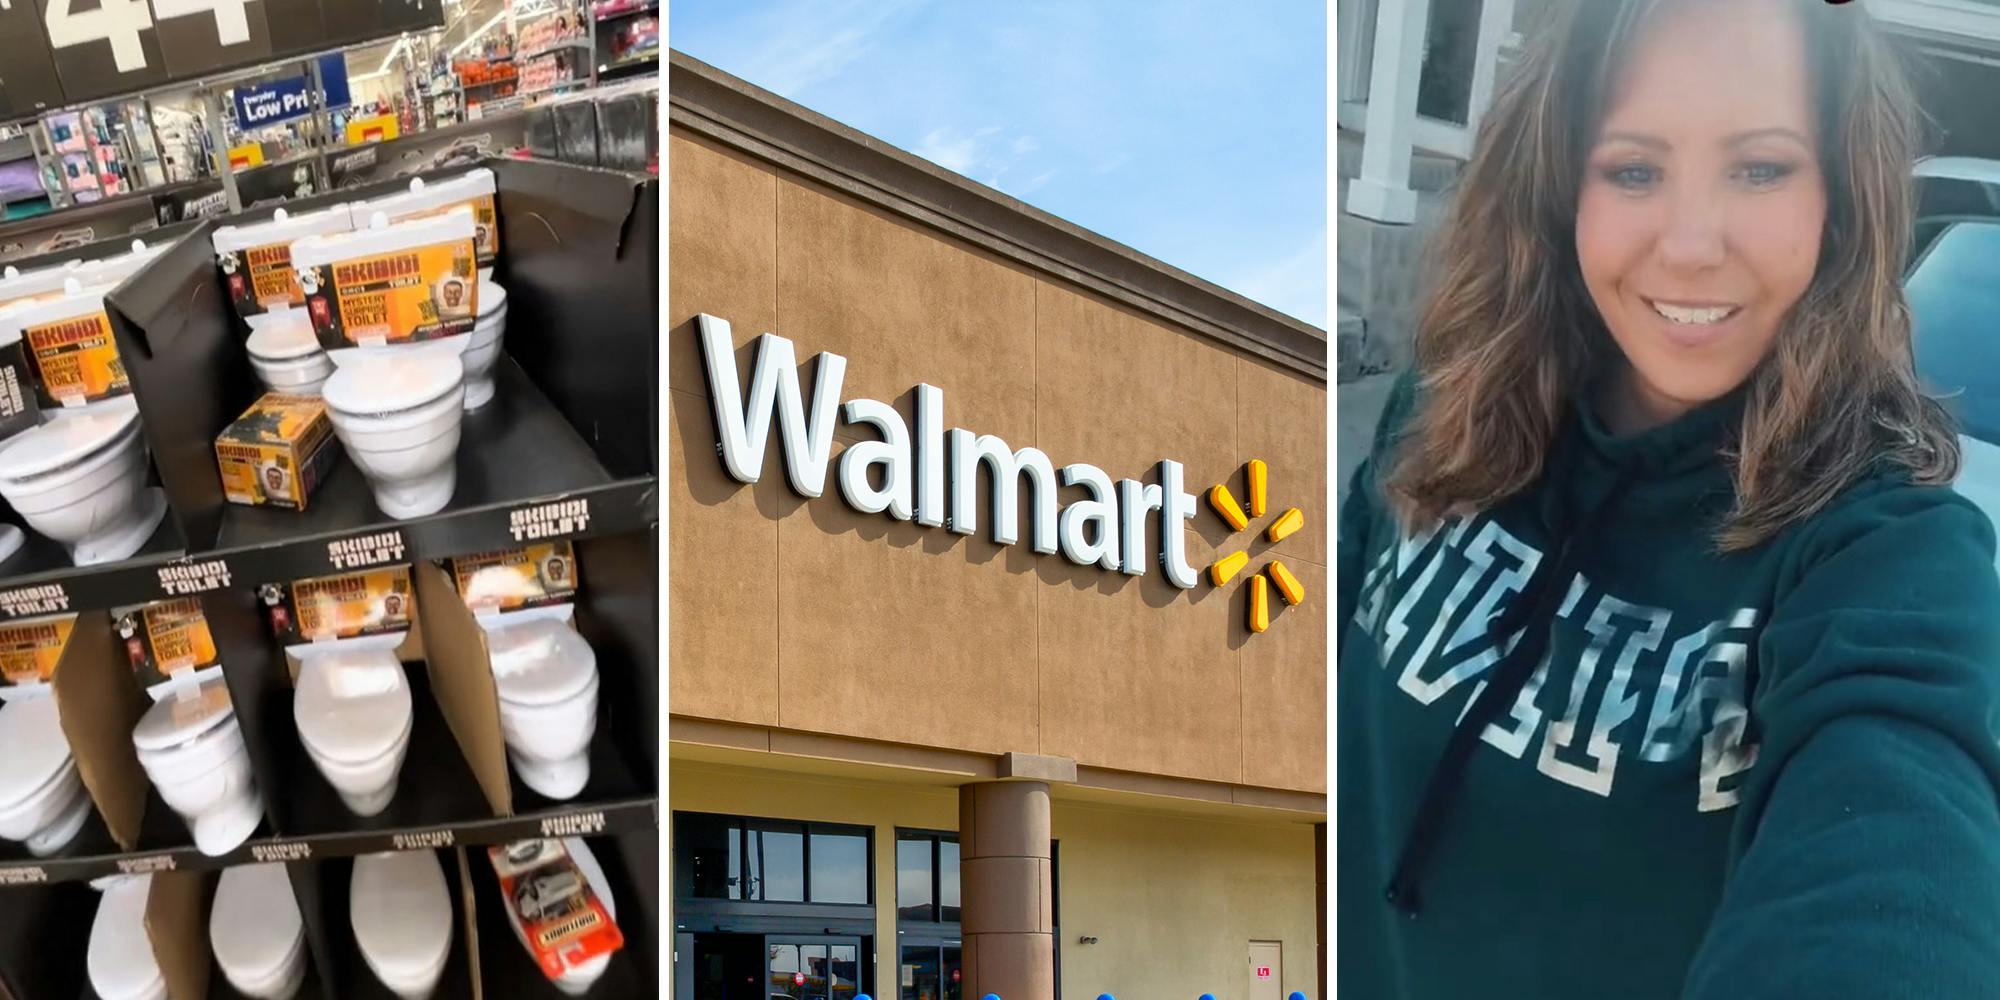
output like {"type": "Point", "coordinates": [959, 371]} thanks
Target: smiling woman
{"type": "Point", "coordinates": [1666, 648]}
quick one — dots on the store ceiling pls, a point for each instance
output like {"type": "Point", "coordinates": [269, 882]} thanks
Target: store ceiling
{"type": "Point", "coordinates": [461, 19]}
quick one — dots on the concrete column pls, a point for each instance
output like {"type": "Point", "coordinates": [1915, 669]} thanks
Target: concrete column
{"type": "Point", "coordinates": [1320, 863]}
{"type": "Point", "coordinates": [1382, 192]}
{"type": "Point", "coordinates": [1006, 890]}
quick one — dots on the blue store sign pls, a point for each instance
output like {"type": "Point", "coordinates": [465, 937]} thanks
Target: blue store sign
{"type": "Point", "coordinates": [274, 101]}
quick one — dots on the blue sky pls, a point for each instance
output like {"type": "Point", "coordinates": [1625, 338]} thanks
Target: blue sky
{"type": "Point", "coordinates": [1192, 131]}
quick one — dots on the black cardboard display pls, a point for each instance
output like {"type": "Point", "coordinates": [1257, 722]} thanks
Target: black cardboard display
{"type": "Point", "coordinates": [574, 421]}
{"type": "Point", "coordinates": [581, 266]}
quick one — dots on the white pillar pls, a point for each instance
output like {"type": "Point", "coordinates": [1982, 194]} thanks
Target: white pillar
{"type": "Point", "coordinates": [1382, 192]}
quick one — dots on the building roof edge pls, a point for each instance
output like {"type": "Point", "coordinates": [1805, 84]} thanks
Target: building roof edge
{"type": "Point", "coordinates": [708, 102]}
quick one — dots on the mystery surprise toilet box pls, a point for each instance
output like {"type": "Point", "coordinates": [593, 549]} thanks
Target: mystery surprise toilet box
{"type": "Point", "coordinates": [31, 648]}
{"type": "Point", "coordinates": [256, 260]}
{"type": "Point", "coordinates": [165, 640]}
{"type": "Point", "coordinates": [513, 580]}
{"type": "Point", "coordinates": [70, 349]}
{"type": "Point", "coordinates": [391, 283]}
{"type": "Point", "coordinates": [473, 190]}
{"type": "Point", "coordinates": [277, 452]}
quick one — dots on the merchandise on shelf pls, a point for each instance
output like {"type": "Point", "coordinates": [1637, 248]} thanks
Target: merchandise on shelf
{"type": "Point", "coordinates": [352, 707]}
{"type": "Point", "coordinates": [80, 477]}
{"type": "Point", "coordinates": [192, 748]}
{"type": "Point", "coordinates": [474, 189]}
{"type": "Point", "coordinates": [401, 912]}
{"type": "Point", "coordinates": [392, 283]}
{"type": "Point", "coordinates": [70, 346]}
{"type": "Point", "coordinates": [277, 452]}
{"type": "Point", "coordinates": [634, 41]}
{"type": "Point", "coordinates": [257, 932]}
{"type": "Point", "coordinates": [43, 803]}
{"type": "Point", "coordinates": [285, 355]}
{"type": "Point", "coordinates": [121, 962]}
{"type": "Point", "coordinates": [560, 906]}
{"type": "Point", "coordinates": [543, 33]}
{"type": "Point", "coordinates": [256, 260]}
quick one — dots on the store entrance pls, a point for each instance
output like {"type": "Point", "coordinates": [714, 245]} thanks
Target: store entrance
{"type": "Point", "coordinates": [813, 968]}
{"type": "Point", "coordinates": [768, 967]}
{"type": "Point", "coordinates": [728, 967]}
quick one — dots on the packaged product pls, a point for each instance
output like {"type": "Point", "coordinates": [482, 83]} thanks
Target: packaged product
{"type": "Point", "coordinates": [256, 260]}
{"type": "Point", "coordinates": [392, 283]}
{"type": "Point", "coordinates": [277, 452]}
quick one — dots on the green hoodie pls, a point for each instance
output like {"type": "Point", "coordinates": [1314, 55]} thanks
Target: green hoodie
{"type": "Point", "coordinates": [1768, 773]}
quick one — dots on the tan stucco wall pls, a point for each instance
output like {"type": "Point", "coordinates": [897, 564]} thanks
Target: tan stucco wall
{"type": "Point", "coordinates": [1174, 902]}
{"type": "Point", "coordinates": [810, 616]}
{"type": "Point", "coordinates": [1173, 899]}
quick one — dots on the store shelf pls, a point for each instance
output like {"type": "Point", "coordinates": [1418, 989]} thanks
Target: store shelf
{"type": "Point", "coordinates": [554, 87]}
{"type": "Point", "coordinates": [40, 579]}
{"type": "Point", "coordinates": [517, 457]}
{"type": "Point", "coordinates": [97, 858]}
{"type": "Point", "coordinates": [579, 42]}
{"type": "Point", "coordinates": [629, 64]}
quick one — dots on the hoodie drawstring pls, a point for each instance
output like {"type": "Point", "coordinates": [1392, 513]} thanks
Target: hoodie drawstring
{"type": "Point", "coordinates": [1532, 617]}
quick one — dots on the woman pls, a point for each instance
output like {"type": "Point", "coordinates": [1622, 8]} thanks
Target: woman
{"type": "Point", "coordinates": [1669, 662]}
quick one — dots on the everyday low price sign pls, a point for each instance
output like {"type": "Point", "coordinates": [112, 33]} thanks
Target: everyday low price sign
{"type": "Point", "coordinates": [272, 102]}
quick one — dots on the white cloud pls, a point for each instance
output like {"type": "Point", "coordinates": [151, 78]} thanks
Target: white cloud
{"type": "Point", "coordinates": [985, 153]}
{"type": "Point", "coordinates": [796, 45]}
{"type": "Point", "coordinates": [954, 150]}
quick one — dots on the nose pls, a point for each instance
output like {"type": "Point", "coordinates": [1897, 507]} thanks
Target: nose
{"type": "Point", "coordinates": [1693, 235]}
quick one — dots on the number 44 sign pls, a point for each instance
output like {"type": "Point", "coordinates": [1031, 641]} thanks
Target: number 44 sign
{"type": "Point", "coordinates": [120, 22]}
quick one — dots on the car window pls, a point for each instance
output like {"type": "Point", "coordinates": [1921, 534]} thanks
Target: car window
{"type": "Point", "coordinates": [1954, 294]}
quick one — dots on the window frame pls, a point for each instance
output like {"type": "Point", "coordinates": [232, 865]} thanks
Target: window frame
{"type": "Point", "coordinates": [741, 826]}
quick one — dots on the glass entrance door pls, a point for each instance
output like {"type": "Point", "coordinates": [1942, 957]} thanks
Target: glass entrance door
{"type": "Point", "coordinates": [812, 968]}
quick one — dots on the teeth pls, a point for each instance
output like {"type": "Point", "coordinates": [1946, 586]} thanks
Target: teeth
{"type": "Point", "coordinates": [1690, 315]}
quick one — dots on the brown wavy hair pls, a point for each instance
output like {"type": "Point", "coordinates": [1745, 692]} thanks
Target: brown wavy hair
{"type": "Point", "coordinates": [1509, 338]}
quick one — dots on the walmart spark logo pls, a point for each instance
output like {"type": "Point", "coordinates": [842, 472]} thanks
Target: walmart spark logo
{"type": "Point", "coordinates": [1257, 477]}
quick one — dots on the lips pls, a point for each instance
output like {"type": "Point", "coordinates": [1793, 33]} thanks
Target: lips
{"type": "Point", "coordinates": [1693, 324]}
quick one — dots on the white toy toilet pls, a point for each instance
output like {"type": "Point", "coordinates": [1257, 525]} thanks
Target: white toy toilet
{"type": "Point", "coordinates": [286, 355]}
{"type": "Point", "coordinates": [546, 677]}
{"type": "Point", "coordinates": [192, 748]}
{"type": "Point", "coordinates": [120, 957]}
{"type": "Point", "coordinates": [256, 932]}
{"type": "Point", "coordinates": [399, 415]}
{"type": "Point", "coordinates": [401, 912]}
{"type": "Point", "coordinates": [81, 480]}
{"type": "Point", "coordinates": [482, 351]}
{"type": "Point", "coordinates": [43, 802]}
{"type": "Point", "coordinates": [353, 713]}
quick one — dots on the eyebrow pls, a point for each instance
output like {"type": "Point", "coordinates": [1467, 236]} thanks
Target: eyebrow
{"type": "Point", "coordinates": [1736, 139]}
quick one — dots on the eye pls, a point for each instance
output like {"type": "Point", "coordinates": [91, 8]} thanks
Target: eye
{"type": "Point", "coordinates": [1766, 174]}
{"type": "Point", "coordinates": [1632, 176]}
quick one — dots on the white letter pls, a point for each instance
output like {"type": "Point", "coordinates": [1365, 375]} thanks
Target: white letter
{"type": "Point", "coordinates": [892, 452]}
{"type": "Point", "coordinates": [1101, 510]}
{"type": "Point", "coordinates": [1173, 533]}
{"type": "Point", "coordinates": [1135, 501]}
{"type": "Point", "coordinates": [1006, 466]}
{"type": "Point", "coordinates": [930, 456]}
{"type": "Point", "coordinates": [744, 427]}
